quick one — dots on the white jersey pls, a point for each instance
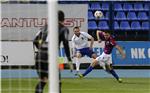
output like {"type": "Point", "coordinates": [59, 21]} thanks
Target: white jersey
{"type": "Point", "coordinates": [81, 41]}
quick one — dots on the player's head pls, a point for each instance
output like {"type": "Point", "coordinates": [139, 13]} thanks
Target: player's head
{"type": "Point", "coordinates": [106, 35]}
{"type": "Point", "coordinates": [61, 16]}
{"type": "Point", "coordinates": [76, 30]}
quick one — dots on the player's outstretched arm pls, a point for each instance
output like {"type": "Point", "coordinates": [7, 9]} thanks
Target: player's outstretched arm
{"type": "Point", "coordinates": [98, 37]}
{"type": "Point", "coordinates": [121, 51]}
{"type": "Point", "coordinates": [92, 42]}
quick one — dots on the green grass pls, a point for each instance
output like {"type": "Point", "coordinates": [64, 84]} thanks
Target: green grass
{"type": "Point", "coordinates": [86, 85]}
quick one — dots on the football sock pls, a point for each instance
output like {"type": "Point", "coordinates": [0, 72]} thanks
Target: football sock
{"type": "Point", "coordinates": [77, 64]}
{"type": "Point", "coordinates": [88, 70]}
{"type": "Point", "coordinates": [114, 74]}
{"type": "Point", "coordinates": [40, 87]}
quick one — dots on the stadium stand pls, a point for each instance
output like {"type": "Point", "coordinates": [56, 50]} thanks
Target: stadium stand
{"type": "Point", "coordinates": [126, 17]}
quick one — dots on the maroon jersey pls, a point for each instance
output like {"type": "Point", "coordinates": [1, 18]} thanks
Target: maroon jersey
{"type": "Point", "coordinates": [109, 44]}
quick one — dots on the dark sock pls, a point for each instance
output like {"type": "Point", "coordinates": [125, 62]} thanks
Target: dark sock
{"type": "Point", "coordinates": [40, 87]}
{"type": "Point", "coordinates": [114, 74]}
{"type": "Point", "coordinates": [88, 70]}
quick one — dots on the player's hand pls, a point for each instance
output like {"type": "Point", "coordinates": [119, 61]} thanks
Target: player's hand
{"type": "Point", "coordinates": [123, 56]}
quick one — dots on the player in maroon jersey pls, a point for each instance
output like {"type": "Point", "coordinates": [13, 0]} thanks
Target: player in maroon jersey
{"type": "Point", "coordinates": [104, 60]}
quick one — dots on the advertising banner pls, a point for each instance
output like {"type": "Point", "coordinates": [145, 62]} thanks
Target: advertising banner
{"type": "Point", "coordinates": [17, 53]}
{"type": "Point", "coordinates": [137, 53]}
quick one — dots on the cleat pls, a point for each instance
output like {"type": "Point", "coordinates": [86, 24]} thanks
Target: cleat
{"type": "Point", "coordinates": [120, 80]}
{"type": "Point", "coordinates": [80, 75]}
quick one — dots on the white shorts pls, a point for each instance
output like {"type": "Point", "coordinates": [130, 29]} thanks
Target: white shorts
{"type": "Point", "coordinates": [104, 59]}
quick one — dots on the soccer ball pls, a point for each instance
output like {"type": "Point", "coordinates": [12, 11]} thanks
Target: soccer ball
{"type": "Point", "coordinates": [98, 14]}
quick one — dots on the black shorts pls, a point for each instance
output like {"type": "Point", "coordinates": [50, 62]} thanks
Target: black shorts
{"type": "Point", "coordinates": [41, 64]}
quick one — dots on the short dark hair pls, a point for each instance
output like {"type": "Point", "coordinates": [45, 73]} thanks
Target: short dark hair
{"type": "Point", "coordinates": [109, 32]}
{"type": "Point", "coordinates": [76, 27]}
{"type": "Point", "coordinates": [61, 16]}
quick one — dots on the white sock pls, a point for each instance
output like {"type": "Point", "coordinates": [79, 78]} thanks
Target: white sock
{"type": "Point", "coordinates": [77, 64]}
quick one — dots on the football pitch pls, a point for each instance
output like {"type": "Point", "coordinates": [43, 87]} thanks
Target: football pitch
{"type": "Point", "coordinates": [85, 85]}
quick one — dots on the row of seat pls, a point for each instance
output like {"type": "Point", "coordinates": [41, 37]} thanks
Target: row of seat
{"type": "Point", "coordinates": [123, 25]}
{"type": "Point", "coordinates": [123, 15]}
{"type": "Point", "coordinates": [119, 6]}
{"type": "Point", "coordinates": [130, 7]}
{"type": "Point", "coordinates": [131, 16]}
{"type": "Point", "coordinates": [97, 6]}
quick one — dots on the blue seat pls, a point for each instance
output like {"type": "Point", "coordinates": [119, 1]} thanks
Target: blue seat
{"type": "Point", "coordinates": [145, 26]}
{"type": "Point", "coordinates": [92, 25]}
{"type": "Point", "coordinates": [118, 7]}
{"type": "Point", "coordinates": [120, 16]}
{"type": "Point", "coordinates": [105, 6]}
{"type": "Point", "coordinates": [142, 16]}
{"type": "Point", "coordinates": [127, 7]}
{"type": "Point", "coordinates": [138, 6]}
{"type": "Point", "coordinates": [90, 15]}
{"type": "Point", "coordinates": [103, 25]}
{"type": "Point", "coordinates": [95, 6]}
{"type": "Point", "coordinates": [146, 7]}
{"type": "Point", "coordinates": [131, 16]}
{"type": "Point", "coordinates": [116, 25]}
{"type": "Point", "coordinates": [135, 25]}
{"type": "Point", "coordinates": [105, 15]}
{"type": "Point", "coordinates": [124, 25]}
{"type": "Point", "coordinates": [89, 6]}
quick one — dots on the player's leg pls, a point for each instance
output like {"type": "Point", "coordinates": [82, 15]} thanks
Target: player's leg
{"type": "Point", "coordinates": [110, 69]}
{"type": "Point", "coordinates": [89, 69]}
{"type": "Point", "coordinates": [42, 70]}
{"type": "Point", "coordinates": [91, 54]}
{"type": "Point", "coordinates": [77, 61]}
{"type": "Point", "coordinates": [41, 84]}
{"type": "Point", "coordinates": [43, 76]}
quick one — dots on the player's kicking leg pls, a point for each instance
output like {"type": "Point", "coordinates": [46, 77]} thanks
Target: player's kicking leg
{"type": "Point", "coordinates": [110, 69]}
{"type": "Point", "coordinates": [89, 69]}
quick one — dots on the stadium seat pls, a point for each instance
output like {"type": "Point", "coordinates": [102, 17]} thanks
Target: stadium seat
{"type": "Point", "coordinates": [92, 25]}
{"type": "Point", "coordinates": [124, 25]}
{"type": "Point", "coordinates": [146, 7]}
{"type": "Point", "coordinates": [135, 25]}
{"type": "Point", "coordinates": [103, 25]}
{"type": "Point", "coordinates": [95, 6]}
{"type": "Point", "coordinates": [120, 16]}
{"type": "Point", "coordinates": [131, 16]}
{"type": "Point", "coordinates": [105, 6]}
{"type": "Point", "coordinates": [138, 6]}
{"type": "Point", "coordinates": [145, 26]}
{"type": "Point", "coordinates": [106, 15]}
{"type": "Point", "coordinates": [142, 16]}
{"type": "Point", "coordinates": [117, 7]}
{"type": "Point", "coordinates": [127, 7]}
{"type": "Point", "coordinates": [116, 25]}
{"type": "Point", "coordinates": [90, 15]}
{"type": "Point", "coordinates": [89, 6]}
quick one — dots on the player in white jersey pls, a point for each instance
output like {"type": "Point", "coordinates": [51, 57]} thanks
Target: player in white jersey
{"type": "Point", "coordinates": [81, 46]}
